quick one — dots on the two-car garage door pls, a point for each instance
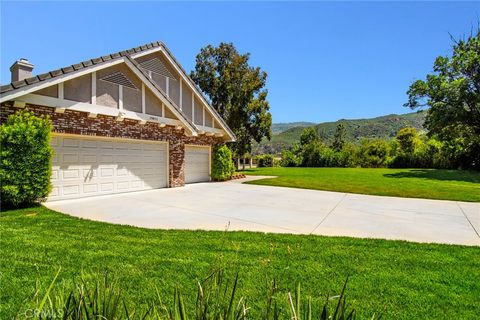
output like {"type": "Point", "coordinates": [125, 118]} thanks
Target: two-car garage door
{"type": "Point", "coordinates": [90, 166]}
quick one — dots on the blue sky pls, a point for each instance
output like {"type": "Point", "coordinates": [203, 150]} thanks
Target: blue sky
{"type": "Point", "coordinates": [325, 61]}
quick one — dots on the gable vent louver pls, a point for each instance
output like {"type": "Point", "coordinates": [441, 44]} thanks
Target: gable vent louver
{"type": "Point", "coordinates": [120, 79]}
{"type": "Point", "coordinates": [157, 66]}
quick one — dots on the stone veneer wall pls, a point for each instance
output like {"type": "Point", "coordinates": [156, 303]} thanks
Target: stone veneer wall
{"type": "Point", "coordinates": [76, 122]}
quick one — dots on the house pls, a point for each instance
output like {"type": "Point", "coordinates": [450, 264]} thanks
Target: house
{"type": "Point", "coordinates": [128, 121]}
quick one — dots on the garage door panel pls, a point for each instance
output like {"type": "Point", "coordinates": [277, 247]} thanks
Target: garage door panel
{"type": "Point", "coordinates": [123, 171]}
{"type": "Point", "coordinates": [98, 166]}
{"type": "Point", "coordinates": [105, 144]}
{"type": "Point", "coordinates": [107, 158]}
{"type": "Point", "coordinates": [71, 173]}
{"type": "Point", "coordinates": [70, 157]}
{"type": "Point", "coordinates": [70, 143]}
{"type": "Point", "coordinates": [71, 189]}
{"type": "Point", "coordinates": [107, 187]}
{"type": "Point", "coordinates": [107, 172]}
{"type": "Point", "coordinates": [88, 158]}
{"type": "Point", "coordinates": [89, 144]}
{"type": "Point", "coordinates": [123, 185]}
{"type": "Point", "coordinates": [122, 158]}
{"type": "Point", "coordinates": [123, 145]}
{"type": "Point", "coordinates": [90, 188]}
{"type": "Point", "coordinates": [89, 174]}
{"type": "Point", "coordinates": [137, 184]}
{"type": "Point", "coordinates": [152, 183]}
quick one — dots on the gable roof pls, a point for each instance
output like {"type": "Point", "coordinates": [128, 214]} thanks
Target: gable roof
{"type": "Point", "coordinates": [17, 88]}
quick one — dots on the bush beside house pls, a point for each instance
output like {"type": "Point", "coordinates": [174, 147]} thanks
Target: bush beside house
{"type": "Point", "coordinates": [26, 158]}
{"type": "Point", "coordinates": [222, 164]}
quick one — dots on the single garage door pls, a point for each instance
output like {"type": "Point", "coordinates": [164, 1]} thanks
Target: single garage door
{"type": "Point", "coordinates": [197, 164]}
{"type": "Point", "coordinates": [91, 166]}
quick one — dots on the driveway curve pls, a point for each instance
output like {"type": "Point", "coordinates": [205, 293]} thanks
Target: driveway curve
{"type": "Point", "coordinates": [235, 206]}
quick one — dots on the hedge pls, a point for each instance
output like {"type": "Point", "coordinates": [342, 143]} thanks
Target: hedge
{"type": "Point", "coordinates": [26, 158]}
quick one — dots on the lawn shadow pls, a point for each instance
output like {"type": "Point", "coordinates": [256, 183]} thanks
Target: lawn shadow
{"type": "Point", "coordinates": [5, 208]}
{"type": "Point", "coordinates": [433, 174]}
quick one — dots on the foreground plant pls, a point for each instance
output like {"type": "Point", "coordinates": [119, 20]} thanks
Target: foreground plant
{"type": "Point", "coordinates": [26, 159]}
{"type": "Point", "coordinates": [217, 299]}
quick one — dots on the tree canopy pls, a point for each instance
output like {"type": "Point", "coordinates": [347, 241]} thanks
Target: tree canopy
{"type": "Point", "coordinates": [452, 95]}
{"type": "Point", "coordinates": [237, 91]}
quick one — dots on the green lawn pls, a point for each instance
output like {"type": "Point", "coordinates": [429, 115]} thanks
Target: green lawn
{"type": "Point", "coordinates": [401, 279]}
{"type": "Point", "coordinates": [410, 183]}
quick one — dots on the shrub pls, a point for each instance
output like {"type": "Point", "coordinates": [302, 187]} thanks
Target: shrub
{"type": "Point", "coordinates": [289, 159]}
{"type": "Point", "coordinates": [25, 158]}
{"type": "Point", "coordinates": [346, 157]}
{"type": "Point", "coordinates": [222, 164]}
{"type": "Point", "coordinates": [374, 153]}
{"type": "Point", "coordinates": [265, 160]}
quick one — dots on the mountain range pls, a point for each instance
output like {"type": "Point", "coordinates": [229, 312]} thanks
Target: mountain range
{"type": "Point", "coordinates": [386, 127]}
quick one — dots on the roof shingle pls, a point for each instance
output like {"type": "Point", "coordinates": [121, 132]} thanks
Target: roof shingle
{"type": "Point", "coordinates": [32, 80]}
{"type": "Point", "coordinates": [44, 76]}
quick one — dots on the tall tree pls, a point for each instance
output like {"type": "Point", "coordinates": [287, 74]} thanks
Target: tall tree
{"type": "Point", "coordinates": [308, 136]}
{"type": "Point", "coordinates": [237, 91]}
{"type": "Point", "coordinates": [339, 137]}
{"type": "Point", "coordinates": [452, 95]}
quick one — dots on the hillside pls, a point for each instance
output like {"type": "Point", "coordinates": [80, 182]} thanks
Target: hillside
{"type": "Point", "coordinates": [281, 127]}
{"type": "Point", "coordinates": [357, 129]}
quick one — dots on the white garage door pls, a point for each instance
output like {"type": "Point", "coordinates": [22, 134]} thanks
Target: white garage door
{"type": "Point", "coordinates": [197, 164]}
{"type": "Point", "coordinates": [91, 166]}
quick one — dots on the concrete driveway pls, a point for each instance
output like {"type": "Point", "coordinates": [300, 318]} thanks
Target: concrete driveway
{"type": "Point", "coordinates": [236, 206]}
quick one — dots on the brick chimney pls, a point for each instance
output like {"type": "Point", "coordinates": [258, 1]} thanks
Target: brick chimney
{"type": "Point", "coordinates": [21, 69]}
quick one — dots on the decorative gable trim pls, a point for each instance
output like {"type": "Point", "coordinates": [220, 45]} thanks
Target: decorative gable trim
{"type": "Point", "coordinates": [156, 66]}
{"type": "Point", "coordinates": [189, 82]}
{"type": "Point", "coordinates": [120, 79]}
{"type": "Point", "coordinates": [133, 65]}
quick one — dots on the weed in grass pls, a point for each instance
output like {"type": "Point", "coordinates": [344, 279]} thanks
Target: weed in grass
{"type": "Point", "coordinates": [217, 299]}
